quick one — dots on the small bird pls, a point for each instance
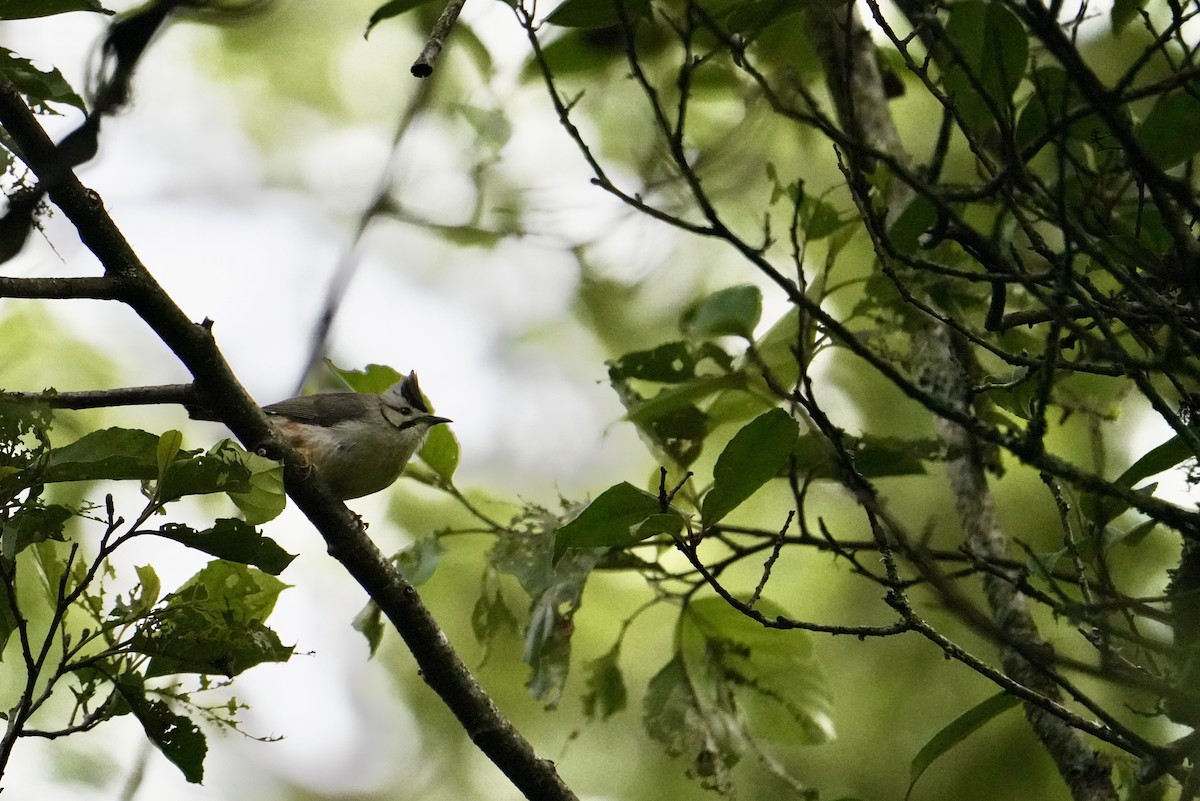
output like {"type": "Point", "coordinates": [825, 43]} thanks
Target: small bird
{"type": "Point", "coordinates": [358, 442]}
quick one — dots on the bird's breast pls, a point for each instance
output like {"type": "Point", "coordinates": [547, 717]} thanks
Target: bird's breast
{"type": "Point", "coordinates": [353, 457]}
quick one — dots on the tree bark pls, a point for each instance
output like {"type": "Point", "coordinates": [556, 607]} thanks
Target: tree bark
{"type": "Point", "coordinates": [854, 82]}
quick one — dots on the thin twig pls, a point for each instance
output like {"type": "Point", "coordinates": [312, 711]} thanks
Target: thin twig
{"type": "Point", "coordinates": [423, 66]}
{"type": "Point", "coordinates": [770, 563]}
{"type": "Point", "coordinates": [182, 394]}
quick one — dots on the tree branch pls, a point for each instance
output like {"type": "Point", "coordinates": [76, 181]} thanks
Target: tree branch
{"type": "Point", "coordinates": [423, 66]}
{"type": "Point", "coordinates": [90, 287]}
{"type": "Point", "coordinates": [220, 391]}
{"type": "Point", "coordinates": [182, 394]}
{"type": "Point", "coordinates": [854, 82]}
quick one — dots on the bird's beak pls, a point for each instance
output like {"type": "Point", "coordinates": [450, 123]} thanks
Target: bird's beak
{"type": "Point", "coordinates": [434, 420]}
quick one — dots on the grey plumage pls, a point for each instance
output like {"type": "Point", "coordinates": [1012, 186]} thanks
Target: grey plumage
{"type": "Point", "coordinates": [358, 442]}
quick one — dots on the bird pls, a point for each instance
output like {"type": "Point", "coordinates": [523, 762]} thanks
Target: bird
{"type": "Point", "coordinates": [357, 442]}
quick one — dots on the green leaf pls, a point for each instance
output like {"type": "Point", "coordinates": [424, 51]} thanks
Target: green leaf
{"type": "Point", "coordinates": [1162, 134]}
{"type": "Point", "coordinates": [113, 453]}
{"type": "Point", "coordinates": [755, 455]}
{"type": "Point", "coordinates": [556, 587]}
{"type": "Point", "coordinates": [548, 648]}
{"type": "Point", "coordinates": [169, 443]}
{"type": "Point", "coordinates": [993, 50]}
{"type": "Point", "coordinates": [1175, 451]}
{"type": "Point", "coordinates": [24, 437]}
{"type": "Point", "coordinates": [1136, 535]}
{"type": "Point", "coordinates": [1158, 459]}
{"type": "Point", "coordinates": [907, 228]}
{"type": "Point", "coordinates": [730, 312]}
{"type": "Point", "coordinates": [150, 584]}
{"type": "Point", "coordinates": [527, 553]}
{"type": "Point", "coordinates": [391, 9]}
{"type": "Point", "coordinates": [792, 190]}
{"type": "Point", "coordinates": [676, 397]}
{"type": "Point", "coordinates": [38, 87]}
{"type": "Point", "coordinates": [419, 560]}
{"type": "Point", "coordinates": [264, 498]}
{"type": "Point", "coordinates": [491, 618]}
{"type": "Point", "coordinates": [678, 432]}
{"type": "Point", "coordinates": [491, 125]}
{"type": "Point", "coordinates": [233, 540]}
{"type": "Point", "coordinates": [243, 592]}
{"type": "Point", "coordinates": [29, 9]}
{"type": "Point", "coordinates": [727, 672]}
{"type": "Point", "coordinates": [1050, 100]}
{"type": "Point", "coordinates": [595, 13]}
{"type": "Point", "coordinates": [441, 452]}
{"type": "Point", "coordinates": [141, 602]}
{"type": "Point", "coordinates": [369, 623]}
{"type": "Point", "coordinates": [213, 624]}
{"type": "Point", "coordinates": [673, 717]}
{"type": "Point", "coordinates": [606, 694]}
{"type": "Point", "coordinates": [8, 622]}
{"type": "Point", "coordinates": [32, 524]}
{"type": "Point", "coordinates": [416, 563]}
{"type": "Point", "coordinates": [1124, 12]}
{"type": "Point", "coordinates": [476, 51]}
{"type": "Point", "coordinates": [955, 732]}
{"type": "Point", "coordinates": [180, 739]}
{"type": "Point", "coordinates": [874, 457]}
{"type": "Point", "coordinates": [772, 671]}
{"type": "Point", "coordinates": [222, 469]}
{"type": "Point", "coordinates": [669, 523]}
{"type": "Point", "coordinates": [757, 15]}
{"type": "Point", "coordinates": [51, 563]}
{"type": "Point", "coordinates": [375, 378]}
{"type": "Point", "coordinates": [577, 52]}
{"type": "Point", "coordinates": [820, 219]}
{"type": "Point", "coordinates": [552, 622]}
{"type": "Point", "coordinates": [777, 347]}
{"type": "Point", "coordinates": [471, 236]}
{"type": "Point", "coordinates": [613, 519]}
{"type": "Point", "coordinates": [672, 363]}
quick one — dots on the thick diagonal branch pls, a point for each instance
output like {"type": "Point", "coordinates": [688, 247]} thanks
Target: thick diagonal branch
{"type": "Point", "coordinates": [219, 391]}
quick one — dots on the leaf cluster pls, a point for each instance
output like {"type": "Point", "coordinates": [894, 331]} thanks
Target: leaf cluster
{"type": "Point", "coordinates": [128, 652]}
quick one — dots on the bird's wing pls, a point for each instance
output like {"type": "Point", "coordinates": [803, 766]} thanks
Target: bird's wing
{"type": "Point", "coordinates": [326, 409]}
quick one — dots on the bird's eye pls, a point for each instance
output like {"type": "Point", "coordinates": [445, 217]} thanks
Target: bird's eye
{"type": "Point", "coordinates": [405, 410]}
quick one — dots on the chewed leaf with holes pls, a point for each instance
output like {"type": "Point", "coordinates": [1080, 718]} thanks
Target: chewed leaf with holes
{"type": "Point", "coordinates": [729, 677]}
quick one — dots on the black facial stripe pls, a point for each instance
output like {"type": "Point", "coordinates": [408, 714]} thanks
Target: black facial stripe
{"type": "Point", "coordinates": [413, 396]}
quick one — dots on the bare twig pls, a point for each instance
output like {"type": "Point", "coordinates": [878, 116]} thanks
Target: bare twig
{"type": "Point", "coordinates": [182, 394]}
{"type": "Point", "coordinates": [770, 563]}
{"type": "Point", "coordinates": [423, 66]}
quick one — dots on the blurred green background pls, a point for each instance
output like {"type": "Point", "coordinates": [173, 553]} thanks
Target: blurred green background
{"type": "Point", "coordinates": [240, 174]}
